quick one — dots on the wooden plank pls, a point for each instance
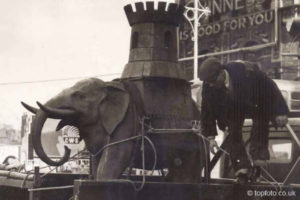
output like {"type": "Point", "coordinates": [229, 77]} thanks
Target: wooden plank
{"type": "Point", "coordinates": [15, 175]}
{"type": "Point", "coordinates": [18, 183]}
{"type": "Point", "coordinates": [111, 190]}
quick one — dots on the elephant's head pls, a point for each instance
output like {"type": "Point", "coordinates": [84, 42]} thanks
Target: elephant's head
{"type": "Point", "coordinates": [88, 103]}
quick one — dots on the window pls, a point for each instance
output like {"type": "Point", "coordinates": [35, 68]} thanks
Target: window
{"type": "Point", "coordinates": [280, 150]}
{"type": "Point", "coordinates": [296, 95]}
{"type": "Point", "coordinates": [134, 40]}
{"type": "Point", "coordinates": [168, 39]}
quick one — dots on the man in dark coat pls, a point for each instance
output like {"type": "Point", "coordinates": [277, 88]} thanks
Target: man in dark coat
{"type": "Point", "coordinates": [233, 92]}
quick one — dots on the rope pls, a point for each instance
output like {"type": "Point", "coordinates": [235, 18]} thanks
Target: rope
{"type": "Point", "coordinates": [196, 130]}
{"type": "Point", "coordinates": [219, 148]}
{"type": "Point", "coordinates": [142, 137]}
{"type": "Point", "coordinates": [272, 178]}
{"type": "Point", "coordinates": [290, 172]}
{"type": "Point", "coordinates": [288, 126]}
{"type": "Point", "coordinates": [24, 181]}
{"type": "Point", "coordinates": [193, 130]}
{"type": "Point", "coordinates": [72, 197]}
{"type": "Point", "coordinates": [271, 183]}
{"type": "Point", "coordinates": [51, 188]}
{"type": "Point", "coordinates": [71, 159]}
{"type": "Point", "coordinates": [224, 151]}
{"type": "Point", "coordinates": [154, 151]}
{"type": "Point", "coordinates": [114, 143]}
{"type": "Point", "coordinates": [143, 158]}
{"type": "Point", "coordinates": [39, 168]}
{"type": "Point", "coordinates": [129, 139]}
{"type": "Point", "coordinates": [49, 172]}
{"type": "Point", "coordinates": [206, 161]}
{"type": "Point", "coordinates": [294, 135]}
{"type": "Point", "coordinates": [103, 158]}
{"type": "Point", "coordinates": [200, 158]}
{"type": "Point", "coordinates": [135, 120]}
{"type": "Point", "coordinates": [143, 162]}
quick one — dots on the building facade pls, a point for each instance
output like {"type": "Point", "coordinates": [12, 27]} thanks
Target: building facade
{"type": "Point", "coordinates": [263, 31]}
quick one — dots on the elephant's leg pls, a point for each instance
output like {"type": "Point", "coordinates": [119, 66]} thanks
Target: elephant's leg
{"type": "Point", "coordinates": [185, 169]}
{"type": "Point", "coordinates": [114, 160]}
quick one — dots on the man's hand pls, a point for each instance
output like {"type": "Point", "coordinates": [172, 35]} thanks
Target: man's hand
{"type": "Point", "coordinates": [213, 145]}
{"type": "Point", "coordinates": [281, 120]}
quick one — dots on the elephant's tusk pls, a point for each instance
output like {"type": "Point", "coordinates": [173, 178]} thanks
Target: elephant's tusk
{"type": "Point", "coordinates": [57, 113]}
{"type": "Point", "coordinates": [29, 108]}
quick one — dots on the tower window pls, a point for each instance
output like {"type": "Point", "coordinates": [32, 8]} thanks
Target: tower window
{"type": "Point", "coordinates": [134, 40]}
{"type": "Point", "coordinates": [168, 39]}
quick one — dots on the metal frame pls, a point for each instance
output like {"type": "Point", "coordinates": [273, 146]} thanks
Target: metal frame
{"type": "Point", "coordinates": [226, 142]}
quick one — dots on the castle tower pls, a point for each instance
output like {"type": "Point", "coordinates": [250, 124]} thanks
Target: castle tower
{"type": "Point", "coordinates": [153, 45]}
{"type": "Point", "coordinates": [153, 65]}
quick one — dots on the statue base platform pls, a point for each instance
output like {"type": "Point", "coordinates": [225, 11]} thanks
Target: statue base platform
{"type": "Point", "coordinates": [216, 190]}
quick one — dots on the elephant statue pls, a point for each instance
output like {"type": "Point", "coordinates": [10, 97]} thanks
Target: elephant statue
{"type": "Point", "coordinates": [104, 113]}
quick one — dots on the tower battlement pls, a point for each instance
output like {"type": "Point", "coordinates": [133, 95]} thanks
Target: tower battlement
{"type": "Point", "coordinates": [150, 15]}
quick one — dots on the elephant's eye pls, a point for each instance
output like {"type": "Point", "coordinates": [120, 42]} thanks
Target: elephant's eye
{"type": "Point", "coordinates": [79, 95]}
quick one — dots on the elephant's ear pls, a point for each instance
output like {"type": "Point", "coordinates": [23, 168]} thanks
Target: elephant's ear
{"type": "Point", "coordinates": [115, 85]}
{"type": "Point", "coordinates": [114, 106]}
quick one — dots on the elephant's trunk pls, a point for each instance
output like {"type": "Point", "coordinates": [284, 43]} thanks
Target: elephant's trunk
{"type": "Point", "coordinates": [36, 131]}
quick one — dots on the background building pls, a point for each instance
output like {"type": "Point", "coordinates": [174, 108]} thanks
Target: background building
{"type": "Point", "coordinates": [236, 24]}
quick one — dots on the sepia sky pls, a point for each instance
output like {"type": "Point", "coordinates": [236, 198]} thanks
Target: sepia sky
{"type": "Point", "coordinates": [42, 40]}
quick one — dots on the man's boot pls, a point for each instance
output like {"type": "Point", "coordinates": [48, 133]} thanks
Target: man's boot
{"type": "Point", "coordinates": [242, 176]}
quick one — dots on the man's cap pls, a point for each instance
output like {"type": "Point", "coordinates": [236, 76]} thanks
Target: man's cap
{"type": "Point", "coordinates": [209, 69]}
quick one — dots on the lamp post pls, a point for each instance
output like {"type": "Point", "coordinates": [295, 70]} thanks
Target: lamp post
{"type": "Point", "coordinates": [193, 15]}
